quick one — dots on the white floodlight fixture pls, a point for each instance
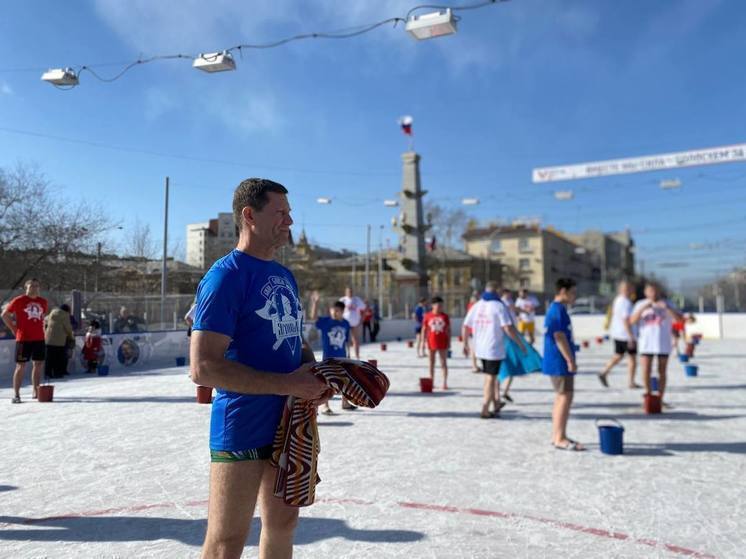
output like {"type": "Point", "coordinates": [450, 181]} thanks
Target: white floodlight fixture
{"type": "Point", "coordinates": [580, 250]}
{"type": "Point", "coordinates": [670, 184]}
{"type": "Point", "coordinates": [434, 24]}
{"type": "Point", "coordinates": [60, 76]}
{"type": "Point", "coordinates": [391, 203]}
{"type": "Point", "coordinates": [470, 201]}
{"type": "Point", "coordinates": [214, 62]}
{"type": "Point", "coordinates": [564, 195]}
{"type": "Point", "coordinates": [322, 200]}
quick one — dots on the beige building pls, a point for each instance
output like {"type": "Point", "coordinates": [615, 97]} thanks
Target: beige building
{"type": "Point", "coordinates": [533, 257]}
{"type": "Point", "coordinates": [210, 240]}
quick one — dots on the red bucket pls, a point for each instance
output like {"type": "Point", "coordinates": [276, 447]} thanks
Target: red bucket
{"type": "Point", "coordinates": [46, 393]}
{"type": "Point", "coordinates": [599, 340]}
{"type": "Point", "coordinates": [426, 384]}
{"type": "Point", "coordinates": [410, 343]}
{"type": "Point", "coordinates": [690, 349]}
{"type": "Point", "coordinates": [460, 338]}
{"type": "Point", "coordinates": [586, 343]}
{"type": "Point", "coordinates": [383, 347]}
{"type": "Point", "coordinates": [652, 403]}
{"type": "Point", "coordinates": [373, 362]}
{"type": "Point", "coordinates": [204, 394]}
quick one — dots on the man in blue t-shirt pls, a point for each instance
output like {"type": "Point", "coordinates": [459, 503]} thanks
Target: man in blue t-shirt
{"type": "Point", "coordinates": [335, 337]}
{"type": "Point", "coordinates": [247, 342]}
{"type": "Point", "coordinates": [418, 316]}
{"type": "Point", "coordinates": [559, 361]}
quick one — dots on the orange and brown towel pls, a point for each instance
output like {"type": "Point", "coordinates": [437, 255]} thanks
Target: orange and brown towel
{"type": "Point", "coordinates": [296, 445]}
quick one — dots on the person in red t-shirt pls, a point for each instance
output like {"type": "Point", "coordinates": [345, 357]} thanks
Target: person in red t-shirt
{"type": "Point", "coordinates": [24, 316]}
{"type": "Point", "coordinates": [436, 329]}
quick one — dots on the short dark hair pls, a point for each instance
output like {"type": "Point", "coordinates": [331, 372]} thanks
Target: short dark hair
{"type": "Point", "coordinates": [95, 324]}
{"type": "Point", "coordinates": [437, 299]}
{"type": "Point", "coordinates": [423, 300]}
{"type": "Point", "coordinates": [565, 283]}
{"type": "Point", "coordinates": [253, 193]}
{"type": "Point", "coordinates": [339, 305]}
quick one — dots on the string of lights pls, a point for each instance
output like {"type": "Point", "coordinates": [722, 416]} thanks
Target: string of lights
{"type": "Point", "coordinates": [426, 26]}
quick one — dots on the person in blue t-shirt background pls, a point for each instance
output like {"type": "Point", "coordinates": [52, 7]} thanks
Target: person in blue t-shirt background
{"type": "Point", "coordinates": [418, 316]}
{"type": "Point", "coordinates": [335, 338]}
{"type": "Point", "coordinates": [559, 361]}
{"type": "Point", "coordinates": [247, 342]}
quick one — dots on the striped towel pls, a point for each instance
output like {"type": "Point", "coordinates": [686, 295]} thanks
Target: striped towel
{"type": "Point", "coordinates": [296, 444]}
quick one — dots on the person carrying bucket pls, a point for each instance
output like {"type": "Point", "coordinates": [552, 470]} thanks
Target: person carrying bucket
{"type": "Point", "coordinates": [655, 316]}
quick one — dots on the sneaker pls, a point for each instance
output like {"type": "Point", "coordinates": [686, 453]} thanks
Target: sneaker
{"type": "Point", "coordinates": [16, 400]}
{"type": "Point", "coordinates": [603, 380]}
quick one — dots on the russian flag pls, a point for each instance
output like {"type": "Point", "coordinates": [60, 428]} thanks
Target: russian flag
{"type": "Point", "coordinates": [406, 125]}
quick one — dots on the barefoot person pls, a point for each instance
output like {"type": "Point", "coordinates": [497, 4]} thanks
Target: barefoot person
{"type": "Point", "coordinates": [247, 342]}
{"type": "Point", "coordinates": [353, 314]}
{"type": "Point", "coordinates": [24, 317]}
{"type": "Point", "coordinates": [489, 320]}
{"type": "Point", "coordinates": [655, 316]}
{"type": "Point", "coordinates": [335, 338]}
{"type": "Point", "coordinates": [436, 330]}
{"type": "Point", "coordinates": [623, 334]}
{"type": "Point", "coordinates": [559, 361]}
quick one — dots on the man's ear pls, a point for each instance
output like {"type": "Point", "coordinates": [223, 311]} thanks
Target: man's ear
{"type": "Point", "coordinates": [247, 214]}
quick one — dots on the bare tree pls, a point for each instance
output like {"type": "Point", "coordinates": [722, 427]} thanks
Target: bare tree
{"type": "Point", "coordinates": [41, 233]}
{"type": "Point", "coordinates": [448, 224]}
{"type": "Point", "coordinates": [140, 242]}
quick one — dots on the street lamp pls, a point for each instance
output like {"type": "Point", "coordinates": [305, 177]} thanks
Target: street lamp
{"type": "Point", "coordinates": [431, 25]}
{"type": "Point", "coordinates": [470, 201]}
{"type": "Point", "coordinates": [564, 195]}
{"type": "Point", "coordinates": [670, 184]}
{"type": "Point", "coordinates": [391, 203]}
{"type": "Point", "coordinates": [324, 201]}
{"type": "Point", "coordinates": [60, 77]}
{"type": "Point", "coordinates": [212, 62]}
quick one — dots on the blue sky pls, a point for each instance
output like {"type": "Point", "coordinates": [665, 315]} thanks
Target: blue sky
{"type": "Point", "coordinates": [523, 84]}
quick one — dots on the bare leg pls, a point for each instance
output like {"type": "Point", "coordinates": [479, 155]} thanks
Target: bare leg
{"type": "Point", "coordinates": [496, 394]}
{"type": "Point", "coordinates": [355, 335]}
{"type": "Point", "coordinates": [506, 390]}
{"type": "Point", "coordinates": [632, 368]}
{"type": "Point", "coordinates": [444, 365]}
{"type": "Point", "coordinates": [662, 366]}
{"type": "Point", "coordinates": [612, 363]}
{"type": "Point", "coordinates": [37, 367]}
{"type": "Point", "coordinates": [278, 521]}
{"type": "Point", "coordinates": [560, 415]}
{"type": "Point", "coordinates": [491, 393]}
{"type": "Point", "coordinates": [233, 493]}
{"type": "Point", "coordinates": [18, 375]}
{"type": "Point", "coordinates": [646, 363]}
{"type": "Point", "coordinates": [432, 365]}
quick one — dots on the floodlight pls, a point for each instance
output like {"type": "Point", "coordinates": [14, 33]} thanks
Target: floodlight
{"type": "Point", "coordinates": [434, 24]}
{"type": "Point", "coordinates": [564, 195]}
{"type": "Point", "coordinates": [214, 62]}
{"type": "Point", "coordinates": [323, 200]}
{"type": "Point", "coordinates": [60, 76]}
{"type": "Point", "coordinates": [390, 203]}
{"type": "Point", "coordinates": [670, 184]}
{"type": "Point", "coordinates": [580, 250]}
{"type": "Point", "coordinates": [470, 201]}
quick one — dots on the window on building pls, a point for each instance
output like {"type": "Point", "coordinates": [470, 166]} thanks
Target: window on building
{"type": "Point", "coordinates": [524, 245]}
{"type": "Point", "coordinates": [457, 278]}
{"type": "Point", "coordinates": [524, 264]}
{"type": "Point", "coordinates": [496, 245]}
{"type": "Point", "coordinates": [525, 283]}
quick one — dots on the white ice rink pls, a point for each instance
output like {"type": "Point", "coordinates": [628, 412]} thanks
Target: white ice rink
{"type": "Point", "coordinates": [118, 467]}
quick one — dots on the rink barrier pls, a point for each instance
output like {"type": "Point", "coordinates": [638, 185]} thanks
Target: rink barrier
{"type": "Point", "coordinates": [610, 436]}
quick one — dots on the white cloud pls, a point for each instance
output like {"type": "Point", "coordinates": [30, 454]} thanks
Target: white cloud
{"type": "Point", "coordinates": [158, 102]}
{"type": "Point", "coordinates": [5, 89]}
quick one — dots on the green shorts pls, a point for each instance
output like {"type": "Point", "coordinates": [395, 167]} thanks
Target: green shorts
{"type": "Point", "coordinates": [262, 453]}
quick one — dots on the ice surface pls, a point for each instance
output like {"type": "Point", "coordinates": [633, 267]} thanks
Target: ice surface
{"type": "Point", "coordinates": [118, 466]}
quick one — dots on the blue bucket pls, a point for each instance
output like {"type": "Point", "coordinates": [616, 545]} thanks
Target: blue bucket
{"type": "Point", "coordinates": [684, 358]}
{"type": "Point", "coordinates": [654, 384]}
{"type": "Point", "coordinates": [577, 348]}
{"type": "Point", "coordinates": [611, 437]}
{"type": "Point", "coordinates": [103, 370]}
{"type": "Point", "coordinates": [180, 361]}
{"type": "Point", "coordinates": [607, 338]}
{"type": "Point", "coordinates": [450, 354]}
{"type": "Point", "coordinates": [691, 370]}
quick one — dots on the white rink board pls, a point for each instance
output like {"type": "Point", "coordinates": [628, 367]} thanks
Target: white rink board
{"type": "Point", "coordinates": [117, 467]}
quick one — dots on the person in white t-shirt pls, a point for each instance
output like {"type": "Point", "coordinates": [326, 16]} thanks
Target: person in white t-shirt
{"type": "Point", "coordinates": [353, 314]}
{"type": "Point", "coordinates": [489, 320]}
{"type": "Point", "coordinates": [623, 334]}
{"type": "Point", "coordinates": [527, 305]}
{"type": "Point", "coordinates": [654, 316]}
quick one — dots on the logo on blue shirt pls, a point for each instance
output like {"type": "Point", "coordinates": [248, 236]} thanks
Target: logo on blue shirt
{"type": "Point", "coordinates": [284, 310]}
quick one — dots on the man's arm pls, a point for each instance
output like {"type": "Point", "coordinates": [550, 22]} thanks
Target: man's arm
{"type": "Point", "coordinates": [307, 355]}
{"type": "Point", "coordinates": [564, 347]}
{"type": "Point", "coordinates": [9, 322]}
{"type": "Point", "coordinates": [511, 331]}
{"type": "Point", "coordinates": [209, 367]}
{"type": "Point", "coordinates": [635, 318]}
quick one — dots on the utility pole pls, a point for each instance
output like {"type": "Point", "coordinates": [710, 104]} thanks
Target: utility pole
{"type": "Point", "coordinates": [98, 264]}
{"type": "Point", "coordinates": [367, 264]}
{"type": "Point", "coordinates": [380, 271]}
{"type": "Point", "coordinates": [164, 267]}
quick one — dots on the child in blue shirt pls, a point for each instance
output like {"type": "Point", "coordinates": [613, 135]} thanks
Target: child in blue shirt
{"type": "Point", "coordinates": [335, 338]}
{"type": "Point", "coordinates": [559, 361]}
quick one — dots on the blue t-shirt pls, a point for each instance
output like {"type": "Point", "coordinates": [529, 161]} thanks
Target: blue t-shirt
{"type": "Point", "coordinates": [419, 314]}
{"type": "Point", "coordinates": [334, 336]}
{"type": "Point", "coordinates": [256, 303]}
{"type": "Point", "coordinates": [556, 320]}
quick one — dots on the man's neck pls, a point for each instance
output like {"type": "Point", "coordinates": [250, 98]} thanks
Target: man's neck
{"type": "Point", "coordinates": [559, 299]}
{"type": "Point", "coordinates": [256, 249]}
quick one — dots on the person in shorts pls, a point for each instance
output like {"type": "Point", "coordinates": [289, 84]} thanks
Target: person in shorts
{"type": "Point", "coordinates": [353, 314]}
{"type": "Point", "coordinates": [654, 316]}
{"type": "Point", "coordinates": [527, 305]}
{"type": "Point", "coordinates": [559, 361]}
{"type": "Point", "coordinates": [24, 317]}
{"type": "Point", "coordinates": [489, 321]}
{"type": "Point", "coordinates": [247, 342]}
{"type": "Point", "coordinates": [623, 334]}
{"type": "Point", "coordinates": [436, 329]}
